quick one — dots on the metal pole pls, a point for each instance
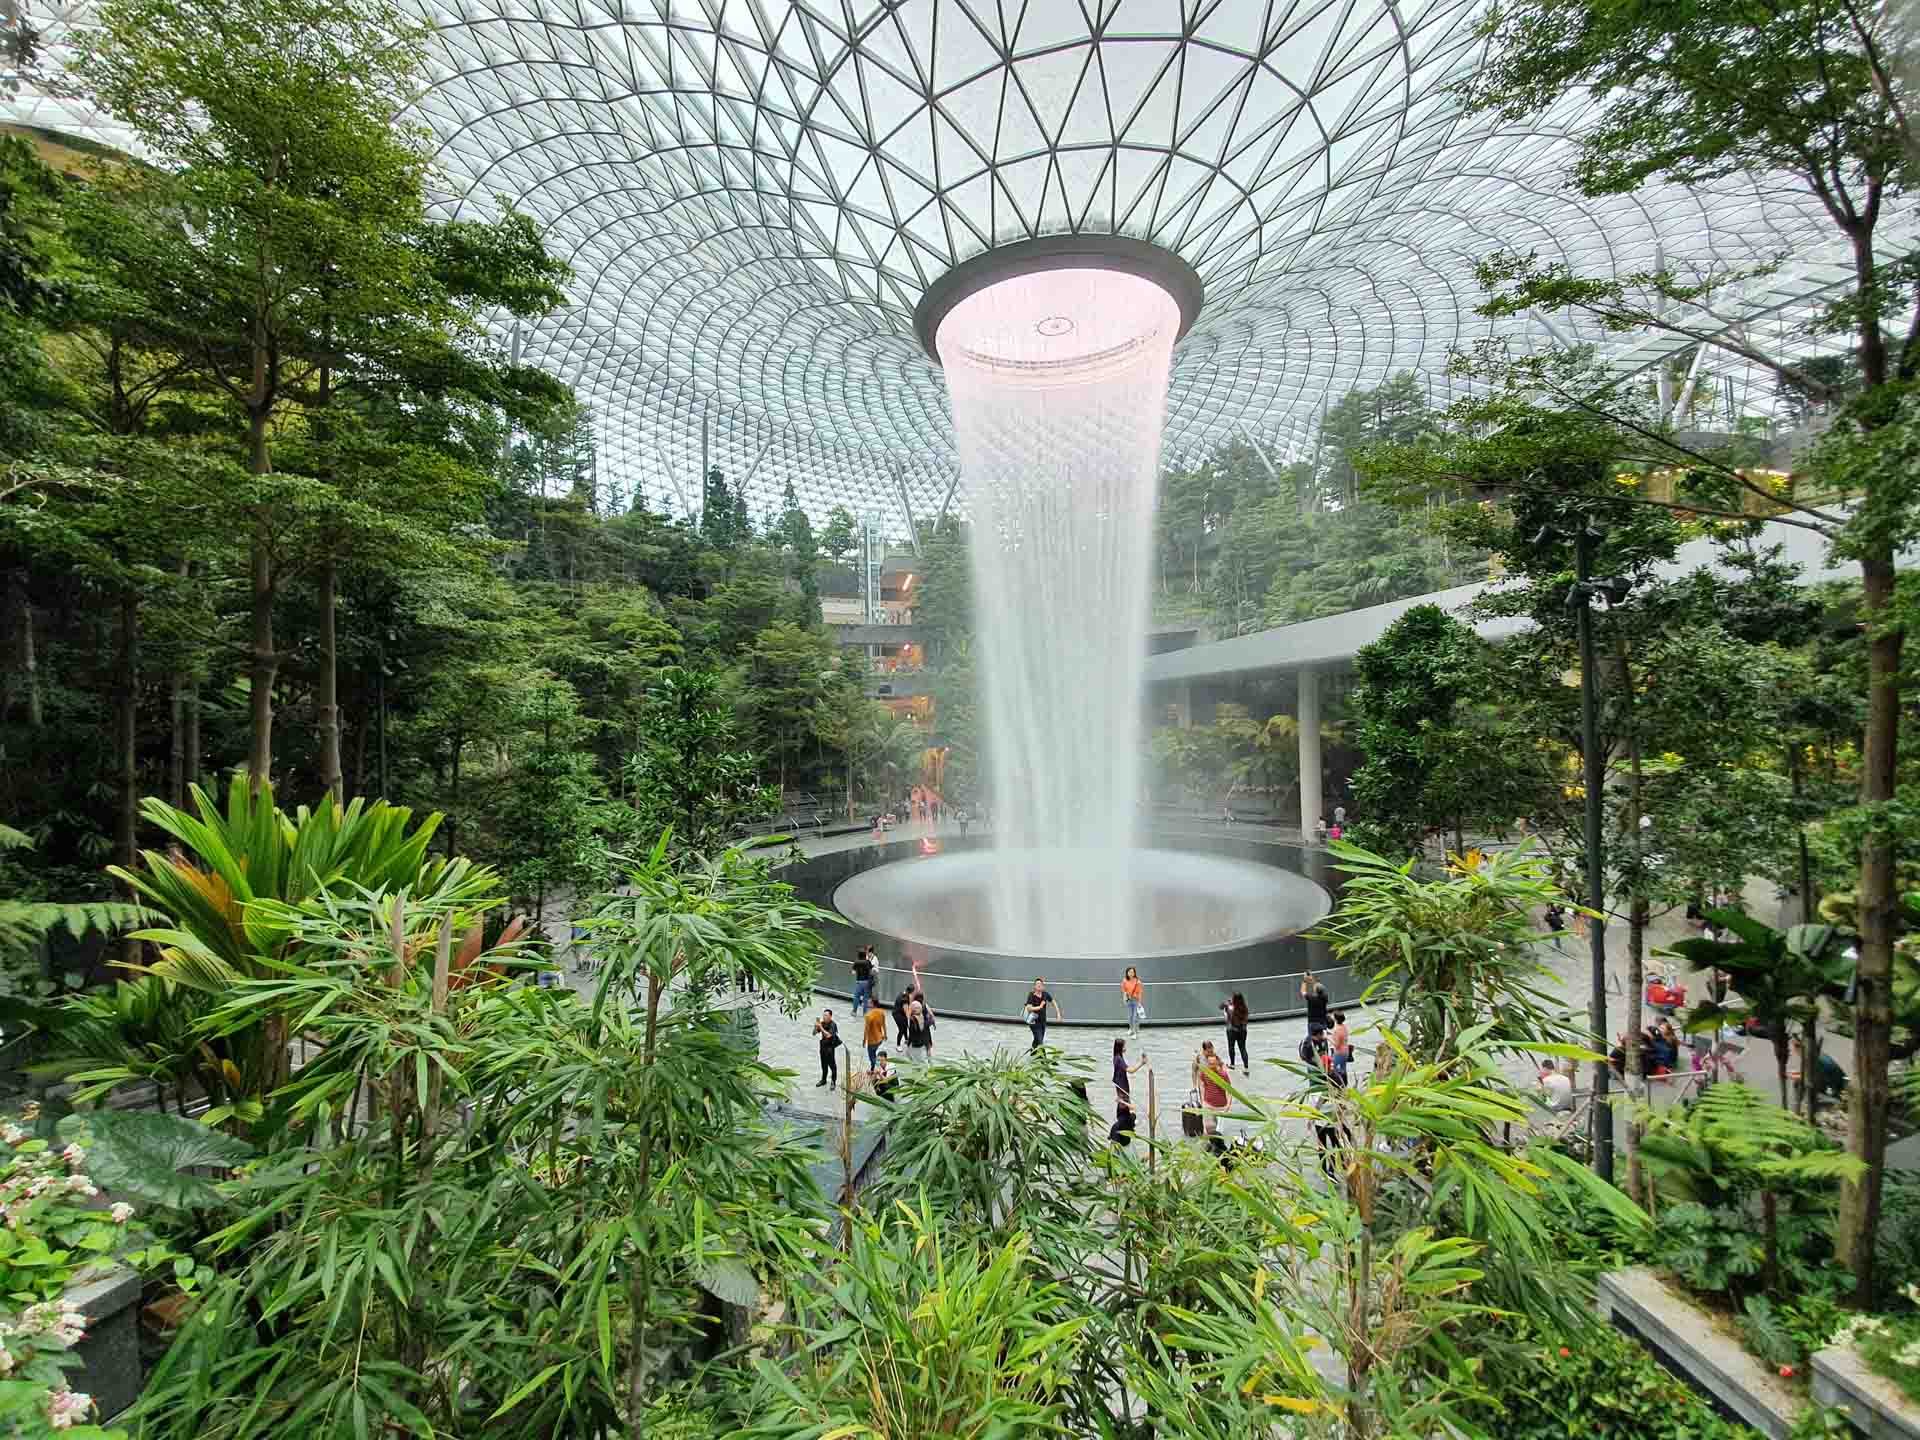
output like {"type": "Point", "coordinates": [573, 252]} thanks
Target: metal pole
{"type": "Point", "coordinates": [1583, 542]}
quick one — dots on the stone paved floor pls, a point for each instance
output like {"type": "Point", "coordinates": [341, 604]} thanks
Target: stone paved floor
{"type": "Point", "coordinates": [789, 1044]}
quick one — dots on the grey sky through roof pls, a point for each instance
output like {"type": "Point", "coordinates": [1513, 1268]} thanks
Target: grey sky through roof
{"type": "Point", "coordinates": [754, 195]}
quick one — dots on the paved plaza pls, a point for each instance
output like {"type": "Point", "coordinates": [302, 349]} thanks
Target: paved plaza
{"type": "Point", "coordinates": [789, 1044]}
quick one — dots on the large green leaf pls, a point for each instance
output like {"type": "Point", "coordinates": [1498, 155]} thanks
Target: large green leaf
{"type": "Point", "coordinates": [730, 1281]}
{"type": "Point", "coordinates": [140, 1154]}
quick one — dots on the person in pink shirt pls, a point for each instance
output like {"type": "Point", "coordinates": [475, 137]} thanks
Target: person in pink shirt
{"type": "Point", "coordinates": [1339, 1045]}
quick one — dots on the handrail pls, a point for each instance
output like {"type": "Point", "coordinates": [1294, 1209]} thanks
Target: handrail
{"type": "Point", "coordinates": [1226, 983]}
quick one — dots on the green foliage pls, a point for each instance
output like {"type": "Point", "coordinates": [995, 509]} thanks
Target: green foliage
{"type": "Point", "coordinates": [1781, 975]}
{"type": "Point", "coordinates": [141, 1155]}
{"type": "Point", "coordinates": [839, 539]}
{"type": "Point", "coordinates": [919, 1334]}
{"type": "Point", "coordinates": [693, 774]}
{"type": "Point", "coordinates": [1457, 951]}
{"type": "Point", "coordinates": [1757, 1187]}
{"type": "Point", "coordinates": [24, 924]}
{"type": "Point", "coordinates": [1890, 1345]}
{"type": "Point", "coordinates": [990, 1143]}
{"type": "Point", "coordinates": [1805, 94]}
{"type": "Point", "coordinates": [1247, 546]}
{"type": "Point", "coordinates": [229, 891]}
{"type": "Point", "coordinates": [53, 1237]}
{"type": "Point", "coordinates": [1436, 759]}
{"type": "Point", "coordinates": [1598, 1385]}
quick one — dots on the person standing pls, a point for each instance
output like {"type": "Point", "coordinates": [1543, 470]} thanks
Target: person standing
{"type": "Point", "coordinates": [874, 1030]}
{"type": "Point", "coordinates": [862, 978]}
{"type": "Point", "coordinates": [963, 818]}
{"type": "Point", "coordinates": [829, 1032]}
{"type": "Point", "coordinates": [1213, 1090]}
{"type": "Point", "coordinates": [1235, 1010]}
{"type": "Point", "coordinates": [1125, 1118]}
{"type": "Point", "coordinates": [1038, 999]}
{"type": "Point", "coordinates": [919, 1041]}
{"type": "Point", "coordinates": [900, 1004]}
{"type": "Point", "coordinates": [1340, 816]}
{"type": "Point", "coordinates": [1340, 1051]}
{"type": "Point", "coordinates": [1136, 997]}
{"type": "Point", "coordinates": [1315, 994]}
{"type": "Point", "coordinates": [1556, 918]}
{"type": "Point", "coordinates": [1328, 1128]}
{"type": "Point", "coordinates": [927, 1015]}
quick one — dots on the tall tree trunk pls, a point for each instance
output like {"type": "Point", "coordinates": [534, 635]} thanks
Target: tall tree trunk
{"type": "Point", "coordinates": [265, 667]}
{"type": "Point", "coordinates": [190, 743]}
{"type": "Point", "coordinates": [23, 676]}
{"type": "Point", "coordinates": [176, 716]}
{"type": "Point", "coordinates": [455, 745]}
{"type": "Point", "coordinates": [1637, 912]}
{"type": "Point", "coordinates": [331, 775]}
{"type": "Point", "coordinates": [176, 741]}
{"type": "Point", "coordinates": [1804, 876]}
{"type": "Point", "coordinates": [1810, 1064]}
{"type": "Point", "coordinates": [1873, 1006]}
{"type": "Point", "coordinates": [380, 719]}
{"type": "Point", "coordinates": [360, 733]}
{"type": "Point", "coordinates": [126, 704]}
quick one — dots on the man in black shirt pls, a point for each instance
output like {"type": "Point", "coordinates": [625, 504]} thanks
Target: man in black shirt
{"type": "Point", "coordinates": [829, 1032]}
{"type": "Point", "coordinates": [1038, 999]}
{"type": "Point", "coordinates": [1315, 994]}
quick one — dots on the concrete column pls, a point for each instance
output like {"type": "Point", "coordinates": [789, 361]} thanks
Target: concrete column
{"type": "Point", "coordinates": [1308, 714]}
{"type": "Point", "coordinates": [1182, 699]}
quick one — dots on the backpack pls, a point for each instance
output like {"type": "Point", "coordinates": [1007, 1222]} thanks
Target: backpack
{"type": "Point", "coordinates": [1307, 1051]}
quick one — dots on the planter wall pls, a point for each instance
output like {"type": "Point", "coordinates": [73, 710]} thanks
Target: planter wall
{"type": "Point", "coordinates": [110, 1354]}
{"type": "Point", "coordinates": [1876, 1406]}
{"type": "Point", "coordinates": [1685, 1339]}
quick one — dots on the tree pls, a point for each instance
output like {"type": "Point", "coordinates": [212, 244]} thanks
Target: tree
{"type": "Point", "coordinates": [1435, 758]}
{"type": "Point", "coordinates": [274, 127]}
{"type": "Point", "coordinates": [840, 539]}
{"type": "Point", "coordinates": [545, 808]}
{"type": "Point", "coordinates": [788, 670]}
{"type": "Point", "coordinates": [1814, 91]}
{"type": "Point", "coordinates": [943, 600]}
{"type": "Point", "coordinates": [692, 773]}
{"type": "Point", "coordinates": [794, 535]}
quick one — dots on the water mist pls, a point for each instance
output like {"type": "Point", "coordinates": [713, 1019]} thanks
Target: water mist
{"type": "Point", "coordinates": [1059, 384]}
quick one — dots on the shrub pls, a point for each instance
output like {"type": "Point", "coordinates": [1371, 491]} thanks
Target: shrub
{"type": "Point", "coordinates": [1595, 1385]}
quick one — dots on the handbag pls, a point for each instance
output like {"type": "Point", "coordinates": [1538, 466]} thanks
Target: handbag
{"type": "Point", "coordinates": [1193, 1123]}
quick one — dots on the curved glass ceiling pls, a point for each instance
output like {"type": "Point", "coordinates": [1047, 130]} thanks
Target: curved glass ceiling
{"type": "Point", "coordinates": [754, 194]}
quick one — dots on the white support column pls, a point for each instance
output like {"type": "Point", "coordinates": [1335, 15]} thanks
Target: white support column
{"type": "Point", "coordinates": [1308, 715]}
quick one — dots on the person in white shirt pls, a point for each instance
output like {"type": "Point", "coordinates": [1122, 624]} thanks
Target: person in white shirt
{"type": "Point", "coordinates": [1555, 1087]}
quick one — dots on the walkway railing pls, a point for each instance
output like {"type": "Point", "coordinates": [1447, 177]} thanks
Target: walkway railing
{"type": "Point", "coordinates": [1193, 1001]}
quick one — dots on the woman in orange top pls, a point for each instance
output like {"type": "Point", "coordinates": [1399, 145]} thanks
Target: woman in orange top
{"type": "Point", "coordinates": [875, 1033]}
{"type": "Point", "coordinates": [1136, 1001]}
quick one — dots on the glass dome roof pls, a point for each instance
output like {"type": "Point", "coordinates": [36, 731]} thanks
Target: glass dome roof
{"type": "Point", "coordinates": [755, 194]}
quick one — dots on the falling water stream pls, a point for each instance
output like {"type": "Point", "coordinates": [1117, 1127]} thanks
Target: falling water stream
{"type": "Point", "coordinates": [1059, 384]}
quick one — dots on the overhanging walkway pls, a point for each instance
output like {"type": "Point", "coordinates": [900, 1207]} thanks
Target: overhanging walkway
{"type": "Point", "coordinates": [1335, 639]}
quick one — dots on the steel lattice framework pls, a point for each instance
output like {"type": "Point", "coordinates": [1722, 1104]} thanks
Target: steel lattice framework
{"type": "Point", "coordinates": [754, 195]}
